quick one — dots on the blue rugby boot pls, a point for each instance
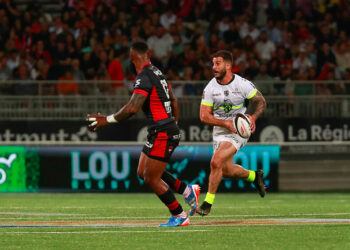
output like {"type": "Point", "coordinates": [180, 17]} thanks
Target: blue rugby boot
{"type": "Point", "coordinates": [192, 198]}
{"type": "Point", "coordinates": [176, 221]}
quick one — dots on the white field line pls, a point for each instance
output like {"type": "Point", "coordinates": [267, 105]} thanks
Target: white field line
{"type": "Point", "coordinates": [89, 217]}
{"type": "Point", "coordinates": [39, 214]}
{"type": "Point", "coordinates": [106, 232]}
{"type": "Point", "coordinates": [202, 223]}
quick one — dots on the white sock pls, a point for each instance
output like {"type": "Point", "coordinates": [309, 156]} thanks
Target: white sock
{"type": "Point", "coordinates": [183, 214]}
{"type": "Point", "coordinates": [187, 191]}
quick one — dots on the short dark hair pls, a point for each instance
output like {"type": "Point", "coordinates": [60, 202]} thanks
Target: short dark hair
{"type": "Point", "coordinates": [225, 54]}
{"type": "Point", "coordinates": [140, 47]}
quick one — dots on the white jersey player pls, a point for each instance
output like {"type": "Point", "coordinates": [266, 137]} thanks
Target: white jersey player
{"type": "Point", "coordinates": [222, 99]}
{"type": "Point", "coordinates": [227, 100]}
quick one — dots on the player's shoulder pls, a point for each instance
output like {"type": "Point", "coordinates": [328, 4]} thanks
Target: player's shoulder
{"type": "Point", "coordinates": [243, 81]}
{"type": "Point", "coordinates": [143, 75]}
{"type": "Point", "coordinates": [211, 84]}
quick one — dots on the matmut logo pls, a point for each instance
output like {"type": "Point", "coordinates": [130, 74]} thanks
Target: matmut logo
{"type": "Point", "coordinates": [8, 162]}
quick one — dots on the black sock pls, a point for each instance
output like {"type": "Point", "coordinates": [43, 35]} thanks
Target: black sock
{"type": "Point", "coordinates": [177, 185]}
{"type": "Point", "coordinates": [170, 201]}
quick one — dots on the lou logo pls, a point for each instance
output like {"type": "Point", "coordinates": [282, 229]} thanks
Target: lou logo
{"type": "Point", "coordinates": [7, 162]}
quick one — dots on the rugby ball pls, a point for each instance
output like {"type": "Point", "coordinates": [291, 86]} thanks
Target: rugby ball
{"type": "Point", "coordinates": [242, 124]}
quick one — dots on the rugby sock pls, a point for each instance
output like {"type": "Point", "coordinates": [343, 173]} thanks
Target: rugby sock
{"type": "Point", "coordinates": [251, 176]}
{"type": "Point", "coordinates": [183, 214]}
{"type": "Point", "coordinates": [177, 185]}
{"type": "Point", "coordinates": [209, 198]}
{"type": "Point", "coordinates": [169, 200]}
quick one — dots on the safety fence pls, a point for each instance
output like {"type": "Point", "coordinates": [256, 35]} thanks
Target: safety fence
{"type": "Point", "coordinates": [44, 106]}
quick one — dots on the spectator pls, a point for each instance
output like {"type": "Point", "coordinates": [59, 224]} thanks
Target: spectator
{"type": "Point", "coordinates": [5, 74]}
{"type": "Point", "coordinates": [253, 69]}
{"type": "Point", "coordinates": [311, 54]}
{"type": "Point", "coordinates": [325, 55]}
{"type": "Point", "coordinates": [173, 77]}
{"type": "Point", "coordinates": [116, 73]}
{"type": "Point", "coordinates": [167, 18]}
{"type": "Point", "coordinates": [249, 30]}
{"type": "Point", "coordinates": [302, 64]}
{"type": "Point", "coordinates": [67, 85]}
{"type": "Point", "coordinates": [41, 53]}
{"type": "Point", "coordinates": [342, 56]}
{"type": "Point", "coordinates": [347, 79]}
{"type": "Point", "coordinates": [223, 25]}
{"type": "Point", "coordinates": [160, 44]}
{"type": "Point", "coordinates": [265, 47]}
{"type": "Point", "coordinates": [13, 59]}
{"type": "Point", "coordinates": [46, 88]}
{"type": "Point", "coordinates": [77, 73]}
{"type": "Point", "coordinates": [273, 32]}
{"type": "Point", "coordinates": [60, 57]}
{"type": "Point", "coordinates": [265, 87]}
{"type": "Point", "coordinates": [25, 87]}
{"type": "Point", "coordinates": [231, 35]}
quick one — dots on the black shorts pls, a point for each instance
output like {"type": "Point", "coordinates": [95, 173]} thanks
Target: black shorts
{"type": "Point", "coordinates": [162, 141]}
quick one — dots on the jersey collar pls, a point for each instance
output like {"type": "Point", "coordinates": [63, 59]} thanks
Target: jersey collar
{"type": "Point", "coordinates": [233, 78]}
{"type": "Point", "coordinates": [149, 63]}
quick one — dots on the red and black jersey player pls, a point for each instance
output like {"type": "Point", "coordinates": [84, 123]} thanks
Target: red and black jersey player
{"type": "Point", "coordinates": [154, 95]}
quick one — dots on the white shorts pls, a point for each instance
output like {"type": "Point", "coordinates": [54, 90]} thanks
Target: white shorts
{"type": "Point", "coordinates": [221, 134]}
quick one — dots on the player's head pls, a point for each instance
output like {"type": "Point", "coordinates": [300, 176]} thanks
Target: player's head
{"type": "Point", "coordinates": [222, 63]}
{"type": "Point", "coordinates": [139, 53]}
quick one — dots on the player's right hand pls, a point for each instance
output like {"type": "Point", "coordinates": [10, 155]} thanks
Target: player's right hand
{"type": "Point", "coordinates": [229, 125]}
{"type": "Point", "coordinates": [97, 121]}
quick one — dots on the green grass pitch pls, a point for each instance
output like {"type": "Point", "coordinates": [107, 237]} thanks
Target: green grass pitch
{"type": "Point", "coordinates": [129, 221]}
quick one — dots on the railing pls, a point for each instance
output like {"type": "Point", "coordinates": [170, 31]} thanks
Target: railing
{"type": "Point", "coordinates": [75, 107]}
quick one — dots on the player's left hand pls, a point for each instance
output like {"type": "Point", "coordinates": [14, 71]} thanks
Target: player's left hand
{"type": "Point", "coordinates": [97, 121]}
{"type": "Point", "coordinates": [252, 119]}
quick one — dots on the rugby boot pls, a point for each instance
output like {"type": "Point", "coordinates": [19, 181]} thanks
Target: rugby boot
{"type": "Point", "coordinates": [192, 198]}
{"type": "Point", "coordinates": [259, 182]}
{"type": "Point", "coordinates": [204, 209]}
{"type": "Point", "coordinates": [176, 221]}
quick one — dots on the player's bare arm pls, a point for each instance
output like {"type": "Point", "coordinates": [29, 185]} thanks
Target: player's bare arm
{"type": "Point", "coordinates": [133, 106]}
{"type": "Point", "coordinates": [206, 116]}
{"type": "Point", "coordinates": [259, 105]}
{"type": "Point", "coordinates": [174, 106]}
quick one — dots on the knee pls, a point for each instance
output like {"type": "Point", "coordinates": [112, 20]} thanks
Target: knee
{"type": "Point", "coordinates": [216, 163]}
{"type": "Point", "coordinates": [140, 173]}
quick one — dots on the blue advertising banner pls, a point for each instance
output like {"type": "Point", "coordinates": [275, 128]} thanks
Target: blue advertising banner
{"type": "Point", "coordinates": [114, 168]}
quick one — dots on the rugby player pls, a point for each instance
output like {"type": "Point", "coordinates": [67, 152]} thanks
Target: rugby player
{"type": "Point", "coordinates": [154, 95]}
{"type": "Point", "coordinates": [222, 99]}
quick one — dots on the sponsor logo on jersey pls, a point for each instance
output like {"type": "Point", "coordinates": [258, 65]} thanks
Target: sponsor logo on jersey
{"type": "Point", "coordinates": [226, 92]}
{"type": "Point", "coordinates": [177, 137]}
{"type": "Point", "coordinates": [227, 107]}
{"type": "Point", "coordinates": [138, 82]}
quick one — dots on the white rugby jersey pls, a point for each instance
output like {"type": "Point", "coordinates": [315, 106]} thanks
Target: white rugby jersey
{"type": "Point", "coordinates": [228, 99]}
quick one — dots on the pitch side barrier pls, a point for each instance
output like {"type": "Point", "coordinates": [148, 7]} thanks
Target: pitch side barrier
{"type": "Point", "coordinates": [111, 166]}
{"type": "Point", "coordinates": [39, 100]}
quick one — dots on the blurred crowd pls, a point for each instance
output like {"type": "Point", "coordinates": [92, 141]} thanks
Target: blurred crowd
{"type": "Point", "coordinates": [270, 40]}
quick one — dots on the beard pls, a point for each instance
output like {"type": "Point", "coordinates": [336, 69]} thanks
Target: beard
{"type": "Point", "coordinates": [221, 75]}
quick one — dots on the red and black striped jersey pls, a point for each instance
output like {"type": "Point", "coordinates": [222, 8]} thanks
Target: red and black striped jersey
{"type": "Point", "coordinates": [152, 83]}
